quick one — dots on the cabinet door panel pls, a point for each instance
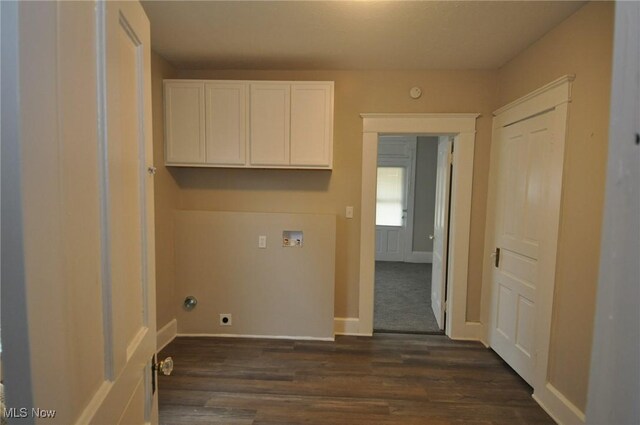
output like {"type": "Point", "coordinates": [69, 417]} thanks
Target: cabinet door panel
{"type": "Point", "coordinates": [270, 123]}
{"type": "Point", "coordinates": [311, 125]}
{"type": "Point", "coordinates": [226, 123]}
{"type": "Point", "coordinates": [184, 121]}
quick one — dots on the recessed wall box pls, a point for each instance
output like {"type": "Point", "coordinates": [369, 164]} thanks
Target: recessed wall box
{"type": "Point", "coordinates": [292, 238]}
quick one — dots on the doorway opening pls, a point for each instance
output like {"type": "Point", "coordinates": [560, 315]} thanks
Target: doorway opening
{"type": "Point", "coordinates": [462, 127]}
{"type": "Point", "coordinates": [411, 232]}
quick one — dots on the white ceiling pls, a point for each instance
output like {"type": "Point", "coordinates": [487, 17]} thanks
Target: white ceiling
{"type": "Point", "coordinates": [349, 34]}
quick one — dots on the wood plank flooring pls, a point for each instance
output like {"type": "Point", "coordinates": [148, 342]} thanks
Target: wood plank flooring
{"type": "Point", "coordinates": [387, 379]}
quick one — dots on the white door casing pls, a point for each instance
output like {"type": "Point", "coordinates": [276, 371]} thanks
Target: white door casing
{"type": "Point", "coordinates": [463, 126]}
{"type": "Point", "coordinates": [526, 272]}
{"type": "Point", "coordinates": [441, 230]}
{"type": "Point", "coordinates": [614, 387]}
{"type": "Point", "coordinates": [395, 242]}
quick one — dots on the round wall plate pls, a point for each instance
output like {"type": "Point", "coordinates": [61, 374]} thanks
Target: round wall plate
{"type": "Point", "coordinates": [415, 92]}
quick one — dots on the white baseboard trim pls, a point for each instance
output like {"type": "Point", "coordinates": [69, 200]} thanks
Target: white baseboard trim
{"type": "Point", "coordinates": [166, 334]}
{"type": "Point", "coordinates": [347, 326]}
{"type": "Point", "coordinates": [419, 257]}
{"type": "Point", "coordinates": [558, 406]}
{"type": "Point", "coordinates": [298, 338]}
{"type": "Point", "coordinates": [470, 331]}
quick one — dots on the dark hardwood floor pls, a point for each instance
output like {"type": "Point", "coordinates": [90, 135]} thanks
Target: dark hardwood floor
{"type": "Point", "coordinates": [387, 379]}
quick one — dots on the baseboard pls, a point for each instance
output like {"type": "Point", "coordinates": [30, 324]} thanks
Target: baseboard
{"type": "Point", "coordinates": [419, 257]}
{"type": "Point", "coordinates": [166, 334]}
{"type": "Point", "coordinates": [347, 326]}
{"type": "Point", "coordinates": [470, 331]}
{"type": "Point", "coordinates": [297, 338]}
{"type": "Point", "coordinates": [558, 406]}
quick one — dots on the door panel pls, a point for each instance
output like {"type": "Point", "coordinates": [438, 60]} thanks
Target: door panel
{"type": "Point", "coordinates": [270, 123]}
{"type": "Point", "coordinates": [226, 123]}
{"type": "Point", "coordinates": [311, 116]}
{"type": "Point", "coordinates": [125, 172]}
{"type": "Point", "coordinates": [129, 316]}
{"type": "Point", "coordinates": [134, 412]}
{"type": "Point", "coordinates": [185, 122]}
{"type": "Point", "coordinates": [522, 181]}
{"type": "Point", "coordinates": [440, 230]}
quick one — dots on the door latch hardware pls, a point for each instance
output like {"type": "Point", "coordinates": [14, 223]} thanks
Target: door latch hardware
{"type": "Point", "coordinates": [497, 257]}
{"type": "Point", "coordinates": [165, 366]}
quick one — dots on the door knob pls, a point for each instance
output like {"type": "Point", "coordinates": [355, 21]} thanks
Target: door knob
{"type": "Point", "coordinates": [431, 237]}
{"type": "Point", "coordinates": [165, 366]}
{"type": "Point", "coordinates": [151, 170]}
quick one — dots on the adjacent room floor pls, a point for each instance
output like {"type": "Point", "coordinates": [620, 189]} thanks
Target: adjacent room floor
{"type": "Point", "coordinates": [386, 379]}
{"type": "Point", "coordinates": [403, 298]}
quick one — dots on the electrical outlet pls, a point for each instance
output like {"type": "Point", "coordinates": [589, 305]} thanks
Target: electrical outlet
{"type": "Point", "coordinates": [225, 319]}
{"type": "Point", "coordinates": [262, 241]}
{"type": "Point", "coordinates": [349, 212]}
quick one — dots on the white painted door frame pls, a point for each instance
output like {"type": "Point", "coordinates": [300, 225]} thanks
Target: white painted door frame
{"type": "Point", "coordinates": [463, 128]}
{"type": "Point", "coordinates": [614, 387]}
{"type": "Point", "coordinates": [407, 160]}
{"type": "Point", "coordinates": [555, 98]}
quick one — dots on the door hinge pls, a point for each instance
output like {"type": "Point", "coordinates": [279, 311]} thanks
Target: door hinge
{"type": "Point", "coordinates": [152, 369]}
{"type": "Point", "coordinates": [444, 307]}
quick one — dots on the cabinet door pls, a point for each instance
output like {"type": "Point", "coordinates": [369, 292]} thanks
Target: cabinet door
{"type": "Point", "coordinates": [270, 118]}
{"type": "Point", "coordinates": [311, 124]}
{"type": "Point", "coordinates": [226, 124]}
{"type": "Point", "coordinates": [184, 122]}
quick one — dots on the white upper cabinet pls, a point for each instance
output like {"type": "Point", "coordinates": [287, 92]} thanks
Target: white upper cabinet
{"type": "Point", "coordinates": [270, 123]}
{"type": "Point", "coordinates": [311, 124]}
{"type": "Point", "coordinates": [249, 124]}
{"type": "Point", "coordinates": [226, 123]}
{"type": "Point", "coordinates": [184, 122]}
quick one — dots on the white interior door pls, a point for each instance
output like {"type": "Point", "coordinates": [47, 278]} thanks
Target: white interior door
{"type": "Point", "coordinates": [395, 197]}
{"type": "Point", "coordinates": [523, 150]}
{"type": "Point", "coordinates": [441, 230]}
{"type": "Point", "coordinates": [82, 247]}
{"type": "Point", "coordinates": [128, 239]}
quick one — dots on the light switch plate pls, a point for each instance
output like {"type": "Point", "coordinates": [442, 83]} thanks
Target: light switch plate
{"type": "Point", "coordinates": [349, 212]}
{"type": "Point", "coordinates": [262, 241]}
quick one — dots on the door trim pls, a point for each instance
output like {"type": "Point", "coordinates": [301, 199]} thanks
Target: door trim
{"type": "Point", "coordinates": [463, 127]}
{"type": "Point", "coordinates": [554, 97]}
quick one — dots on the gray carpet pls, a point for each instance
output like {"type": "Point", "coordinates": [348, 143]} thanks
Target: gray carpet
{"type": "Point", "coordinates": [403, 298]}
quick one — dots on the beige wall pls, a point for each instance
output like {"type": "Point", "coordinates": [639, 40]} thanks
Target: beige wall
{"type": "Point", "coordinates": [581, 45]}
{"type": "Point", "coordinates": [166, 200]}
{"type": "Point", "coordinates": [272, 291]}
{"type": "Point", "coordinates": [425, 193]}
{"type": "Point", "coordinates": [330, 192]}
